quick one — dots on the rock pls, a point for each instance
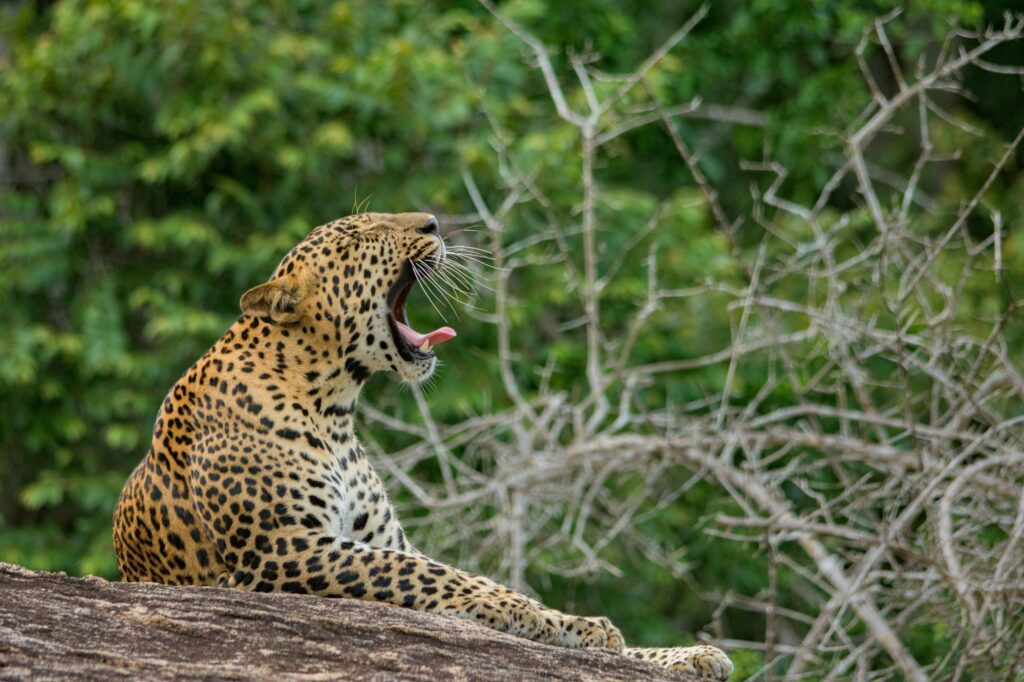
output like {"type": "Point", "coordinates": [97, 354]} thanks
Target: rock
{"type": "Point", "coordinates": [53, 626]}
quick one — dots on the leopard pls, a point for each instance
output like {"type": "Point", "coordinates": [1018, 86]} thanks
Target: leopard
{"type": "Point", "coordinates": [255, 478]}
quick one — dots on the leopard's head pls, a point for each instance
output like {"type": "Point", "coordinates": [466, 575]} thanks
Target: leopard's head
{"type": "Point", "coordinates": [341, 294]}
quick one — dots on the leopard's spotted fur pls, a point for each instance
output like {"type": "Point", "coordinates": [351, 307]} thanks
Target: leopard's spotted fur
{"type": "Point", "coordinates": [255, 478]}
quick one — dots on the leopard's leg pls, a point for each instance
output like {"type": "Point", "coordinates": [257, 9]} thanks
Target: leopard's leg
{"type": "Point", "coordinates": [707, 662]}
{"type": "Point", "coordinates": [615, 641]}
{"type": "Point", "coordinates": [335, 567]}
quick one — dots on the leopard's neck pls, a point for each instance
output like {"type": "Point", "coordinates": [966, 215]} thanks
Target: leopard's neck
{"type": "Point", "coordinates": [297, 371]}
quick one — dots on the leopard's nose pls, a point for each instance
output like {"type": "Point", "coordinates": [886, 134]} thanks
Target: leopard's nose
{"type": "Point", "coordinates": [430, 227]}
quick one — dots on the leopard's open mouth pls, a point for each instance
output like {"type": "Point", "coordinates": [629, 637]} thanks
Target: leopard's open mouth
{"type": "Point", "coordinates": [411, 344]}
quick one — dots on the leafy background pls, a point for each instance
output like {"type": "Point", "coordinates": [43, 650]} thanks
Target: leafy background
{"type": "Point", "coordinates": [157, 159]}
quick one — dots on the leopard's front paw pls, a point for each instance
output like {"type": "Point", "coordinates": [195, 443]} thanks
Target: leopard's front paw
{"type": "Point", "coordinates": [707, 662]}
{"type": "Point", "coordinates": [516, 615]}
{"type": "Point", "coordinates": [579, 632]}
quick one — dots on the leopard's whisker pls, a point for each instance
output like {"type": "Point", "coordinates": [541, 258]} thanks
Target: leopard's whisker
{"type": "Point", "coordinates": [472, 227]}
{"type": "Point", "coordinates": [424, 275]}
{"type": "Point", "coordinates": [431, 289]}
{"type": "Point", "coordinates": [457, 283]}
{"type": "Point", "coordinates": [460, 282]}
{"type": "Point", "coordinates": [473, 277]}
{"type": "Point", "coordinates": [426, 290]}
{"type": "Point", "coordinates": [469, 247]}
{"type": "Point", "coordinates": [458, 230]}
{"type": "Point", "coordinates": [443, 269]}
{"type": "Point", "coordinates": [455, 262]}
{"type": "Point", "coordinates": [456, 279]}
{"type": "Point", "coordinates": [432, 273]}
{"type": "Point", "coordinates": [472, 251]}
{"type": "Point", "coordinates": [458, 292]}
{"type": "Point", "coordinates": [473, 259]}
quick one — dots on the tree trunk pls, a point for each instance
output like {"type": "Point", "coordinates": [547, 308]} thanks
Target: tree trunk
{"type": "Point", "coordinates": [55, 626]}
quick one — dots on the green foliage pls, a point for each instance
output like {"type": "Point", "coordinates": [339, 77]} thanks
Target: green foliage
{"type": "Point", "coordinates": [161, 157]}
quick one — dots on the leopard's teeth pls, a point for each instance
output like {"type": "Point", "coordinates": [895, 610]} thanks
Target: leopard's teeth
{"type": "Point", "coordinates": [425, 347]}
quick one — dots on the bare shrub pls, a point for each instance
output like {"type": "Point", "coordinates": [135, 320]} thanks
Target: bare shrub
{"type": "Point", "coordinates": [881, 462]}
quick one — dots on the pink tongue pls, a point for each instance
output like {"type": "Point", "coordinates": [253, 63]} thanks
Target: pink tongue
{"type": "Point", "coordinates": [435, 337]}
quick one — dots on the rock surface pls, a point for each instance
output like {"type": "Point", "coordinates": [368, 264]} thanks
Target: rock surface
{"type": "Point", "coordinates": [55, 627]}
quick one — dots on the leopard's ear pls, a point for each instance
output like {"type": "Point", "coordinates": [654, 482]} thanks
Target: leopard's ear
{"type": "Point", "coordinates": [280, 299]}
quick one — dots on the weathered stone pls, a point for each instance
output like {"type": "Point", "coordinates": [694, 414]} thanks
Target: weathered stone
{"type": "Point", "coordinates": [55, 627]}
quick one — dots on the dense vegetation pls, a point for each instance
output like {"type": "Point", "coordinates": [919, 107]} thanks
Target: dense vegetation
{"type": "Point", "coordinates": [157, 159]}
